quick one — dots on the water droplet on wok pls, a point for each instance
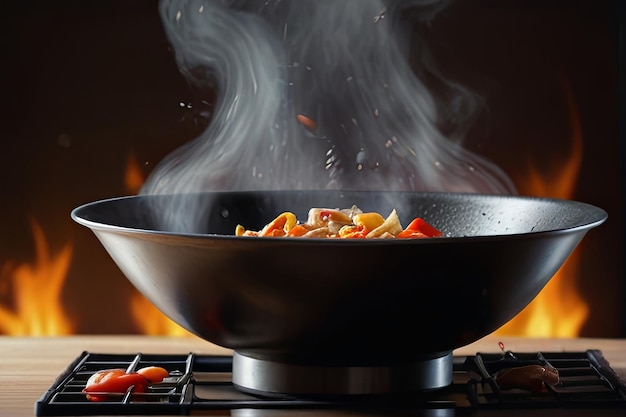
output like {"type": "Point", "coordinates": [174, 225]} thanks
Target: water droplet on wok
{"type": "Point", "coordinates": [361, 157]}
{"type": "Point", "coordinates": [225, 213]}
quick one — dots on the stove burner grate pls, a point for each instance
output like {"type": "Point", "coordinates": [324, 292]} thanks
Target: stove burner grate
{"type": "Point", "coordinates": [586, 379]}
{"type": "Point", "coordinates": [203, 382]}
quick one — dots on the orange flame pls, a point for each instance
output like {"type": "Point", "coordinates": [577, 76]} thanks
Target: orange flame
{"type": "Point", "coordinates": [134, 176]}
{"type": "Point", "coordinates": [37, 309]}
{"type": "Point", "coordinates": [558, 310]}
{"type": "Point", "coordinates": [151, 321]}
{"type": "Point", "coordinates": [146, 316]}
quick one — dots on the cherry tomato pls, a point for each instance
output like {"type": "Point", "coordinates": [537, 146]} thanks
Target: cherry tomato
{"type": "Point", "coordinates": [113, 381]}
{"type": "Point", "coordinates": [153, 373]}
{"type": "Point", "coordinates": [103, 383]}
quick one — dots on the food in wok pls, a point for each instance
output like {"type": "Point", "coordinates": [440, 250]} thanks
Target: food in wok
{"type": "Point", "coordinates": [350, 223]}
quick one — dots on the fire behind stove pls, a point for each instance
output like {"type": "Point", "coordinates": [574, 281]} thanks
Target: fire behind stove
{"type": "Point", "coordinates": [201, 385]}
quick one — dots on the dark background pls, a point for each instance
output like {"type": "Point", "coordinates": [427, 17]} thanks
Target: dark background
{"type": "Point", "coordinates": [84, 85]}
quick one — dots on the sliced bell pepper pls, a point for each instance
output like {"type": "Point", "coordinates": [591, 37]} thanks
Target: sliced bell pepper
{"type": "Point", "coordinates": [352, 232]}
{"type": "Point", "coordinates": [280, 225]}
{"type": "Point", "coordinates": [419, 226]}
{"type": "Point", "coordinates": [369, 221]}
{"type": "Point", "coordinates": [297, 230]}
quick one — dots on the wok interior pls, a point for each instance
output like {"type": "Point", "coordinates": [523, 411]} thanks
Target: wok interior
{"type": "Point", "coordinates": [455, 214]}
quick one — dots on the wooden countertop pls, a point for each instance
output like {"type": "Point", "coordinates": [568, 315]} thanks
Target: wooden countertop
{"type": "Point", "coordinates": [30, 365]}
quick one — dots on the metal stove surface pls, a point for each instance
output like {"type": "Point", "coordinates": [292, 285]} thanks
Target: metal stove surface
{"type": "Point", "coordinates": [201, 385]}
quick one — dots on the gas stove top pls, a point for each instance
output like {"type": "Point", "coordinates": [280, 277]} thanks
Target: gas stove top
{"type": "Point", "coordinates": [202, 385]}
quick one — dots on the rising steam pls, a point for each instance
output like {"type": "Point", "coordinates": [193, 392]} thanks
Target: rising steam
{"type": "Point", "coordinates": [344, 64]}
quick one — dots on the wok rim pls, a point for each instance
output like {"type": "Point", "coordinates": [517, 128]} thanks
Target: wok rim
{"type": "Point", "coordinates": [598, 213]}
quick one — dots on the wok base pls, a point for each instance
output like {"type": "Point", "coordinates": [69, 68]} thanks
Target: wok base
{"type": "Point", "coordinates": [268, 377]}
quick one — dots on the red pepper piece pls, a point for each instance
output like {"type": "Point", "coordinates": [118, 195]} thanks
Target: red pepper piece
{"type": "Point", "coordinates": [325, 215]}
{"type": "Point", "coordinates": [419, 225]}
{"type": "Point", "coordinates": [307, 122]}
{"type": "Point", "coordinates": [410, 234]}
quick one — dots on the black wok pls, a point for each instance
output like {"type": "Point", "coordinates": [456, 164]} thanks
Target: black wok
{"type": "Point", "coordinates": [350, 301]}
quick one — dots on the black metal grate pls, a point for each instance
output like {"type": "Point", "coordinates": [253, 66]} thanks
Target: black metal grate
{"type": "Point", "coordinates": [585, 379]}
{"type": "Point", "coordinates": [198, 382]}
{"type": "Point", "coordinates": [65, 396]}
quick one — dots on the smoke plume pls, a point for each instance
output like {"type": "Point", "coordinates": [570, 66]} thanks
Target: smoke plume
{"type": "Point", "coordinates": [344, 65]}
